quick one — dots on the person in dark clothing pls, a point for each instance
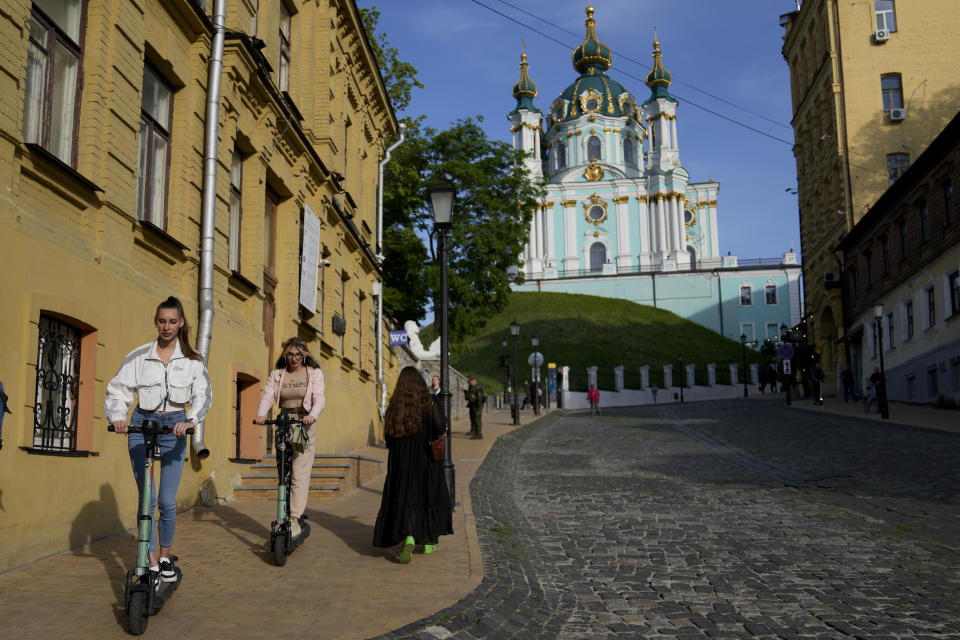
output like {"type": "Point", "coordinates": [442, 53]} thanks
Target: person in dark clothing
{"type": "Point", "coordinates": [415, 506]}
{"type": "Point", "coordinates": [475, 397]}
{"type": "Point", "coordinates": [534, 395]}
{"type": "Point", "coordinates": [526, 397]}
{"type": "Point", "coordinates": [846, 379]}
{"type": "Point", "coordinates": [818, 377]}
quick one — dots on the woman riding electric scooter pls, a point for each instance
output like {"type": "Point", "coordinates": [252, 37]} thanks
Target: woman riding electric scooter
{"type": "Point", "coordinates": [166, 376]}
{"type": "Point", "coordinates": [295, 387]}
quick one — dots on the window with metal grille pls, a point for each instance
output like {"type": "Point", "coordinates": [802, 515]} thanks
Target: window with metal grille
{"type": "Point", "coordinates": [58, 383]}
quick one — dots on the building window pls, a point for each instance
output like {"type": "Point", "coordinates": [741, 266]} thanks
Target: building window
{"type": "Point", "coordinates": [693, 258]}
{"type": "Point", "coordinates": [236, 211]}
{"type": "Point", "coordinates": [773, 331]}
{"type": "Point", "coordinates": [58, 385]}
{"type": "Point", "coordinates": [932, 387]}
{"type": "Point", "coordinates": [255, 4]}
{"type": "Point", "coordinates": [746, 296]}
{"type": "Point", "coordinates": [283, 73]}
{"type": "Point", "coordinates": [869, 258]}
{"type": "Point", "coordinates": [897, 164]}
{"type": "Point", "coordinates": [343, 312]}
{"type": "Point", "coordinates": [931, 307]}
{"type": "Point", "coordinates": [953, 283]}
{"type": "Point", "coordinates": [853, 283]}
{"type": "Point", "coordinates": [892, 91]}
{"type": "Point", "coordinates": [629, 151]}
{"type": "Point", "coordinates": [885, 248]}
{"type": "Point", "coordinates": [770, 294]}
{"type": "Point", "coordinates": [51, 102]}
{"type": "Point", "coordinates": [924, 221]}
{"type": "Point", "coordinates": [908, 318]}
{"type": "Point", "coordinates": [948, 206]}
{"type": "Point", "coordinates": [598, 256]}
{"type": "Point", "coordinates": [747, 330]}
{"type": "Point", "coordinates": [890, 331]}
{"type": "Point", "coordinates": [561, 156]}
{"type": "Point", "coordinates": [593, 149]}
{"type": "Point", "coordinates": [886, 17]}
{"type": "Point", "coordinates": [154, 149]}
{"type": "Point", "coordinates": [904, 242]}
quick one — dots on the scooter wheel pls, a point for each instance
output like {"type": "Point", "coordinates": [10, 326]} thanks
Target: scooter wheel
{"type": "Point", "coordinates": [137, 614]}
{"type": "Point", "coordinates": [279, 550]}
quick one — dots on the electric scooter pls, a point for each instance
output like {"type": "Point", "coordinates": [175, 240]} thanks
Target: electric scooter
{"type": "Point", "coordinates": [282, 542]}
{"type": "Point", "coordinates": [145, 593]}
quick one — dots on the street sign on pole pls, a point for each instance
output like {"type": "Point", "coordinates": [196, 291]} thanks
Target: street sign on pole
{"type": "Point", "coordinates": [399, 337]}
{"type": "Point", "coordinates": [786, 351]}
{"type": "Point", "coordinates": [535, 359]}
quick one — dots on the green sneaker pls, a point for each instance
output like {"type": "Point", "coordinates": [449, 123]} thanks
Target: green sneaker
{"type": "Point", "coordinates": [406, 553]}
{"type": "Point", "coordinates": [429, 548]}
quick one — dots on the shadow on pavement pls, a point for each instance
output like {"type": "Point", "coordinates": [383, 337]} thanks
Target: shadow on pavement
{"type": "Point", "coordinates": [355, 534]}
{"type": "Point", "coordinates": [234, 523]}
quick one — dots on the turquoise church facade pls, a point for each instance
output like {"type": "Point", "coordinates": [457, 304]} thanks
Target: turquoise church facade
{"type": "Point", "coordinates": [622, 218]}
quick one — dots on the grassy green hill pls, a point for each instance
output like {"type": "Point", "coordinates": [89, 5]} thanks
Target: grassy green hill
{"type": "Point", "coordinates": [580, 331]}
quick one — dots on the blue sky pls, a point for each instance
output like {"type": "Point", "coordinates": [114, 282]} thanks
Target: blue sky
{"type": "Point", "coordinates": [468, 59]}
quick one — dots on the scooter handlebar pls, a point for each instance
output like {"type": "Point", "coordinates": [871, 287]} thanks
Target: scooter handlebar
{"type": "Point", "coordinates": [281, 421]}
{"type": "Point", "coordinates": [163, 429]}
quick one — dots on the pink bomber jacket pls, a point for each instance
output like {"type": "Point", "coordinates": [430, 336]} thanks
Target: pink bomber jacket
{"type": "Point", "coordinates": [313, 401]}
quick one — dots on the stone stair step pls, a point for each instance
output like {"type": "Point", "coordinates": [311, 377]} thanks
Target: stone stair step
{"type": "Point", "coordinates": [318, 493]}
{"type": "Point", "coordinates": [271, 479]}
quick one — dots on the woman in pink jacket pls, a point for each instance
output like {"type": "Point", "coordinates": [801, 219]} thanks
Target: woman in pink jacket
{"type": "Point", "coordinates": [593, 397]}
{"type": "Point", "coordinates": [295, 387]}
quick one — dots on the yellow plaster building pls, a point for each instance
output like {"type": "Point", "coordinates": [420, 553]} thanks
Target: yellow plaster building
{"type": "Point", "coordinates": [873, 82]}
{"type": "Point", "coordinates": [102, 114]}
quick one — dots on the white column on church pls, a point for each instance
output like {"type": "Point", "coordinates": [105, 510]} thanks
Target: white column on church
{"type": "Point", "coordinates": [623, 231]}
{"type": "Point", "coordinates": [644, 220]}
{"type": "Point", "coordinates": [514, 132]}
{"type": "Point", "coordinates": [538, 220]}
{"type": "Point", "coordinates": [570, 260]}
{"type": "Point", "coordinates": [681, 227]}
{"type": "Point", "coordinates": [661, 228]}
{"type": "Point", "coordinates": [714, 229]}
{"type": "Point", "coordinates": [673, 133]}
{"type": "Point", "coordinates": [671, 228]}
{"type": "Point", "coordinates": [536, 143]}
{"type": "Point", "coordinates": [551, 255]}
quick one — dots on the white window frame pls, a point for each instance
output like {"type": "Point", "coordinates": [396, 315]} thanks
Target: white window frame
{"type": "Point", "coordinates": [885, 18]}
{"type": "Point", "coordinates": [776, 294]}
{"type": "Point", "coordinates": [235, 228]}
{"type": "Point", "coordinates": [751, 334]}
{"type": "Point", "coordinates": [149, 176]}
{"type": "Point", "coordinates": [748, 287]}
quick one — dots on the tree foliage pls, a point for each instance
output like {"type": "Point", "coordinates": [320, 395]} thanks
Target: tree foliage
{"type": "Point", "coordinates": [492, 210]}
{"type": "Point", "coordinates": [399, 77]}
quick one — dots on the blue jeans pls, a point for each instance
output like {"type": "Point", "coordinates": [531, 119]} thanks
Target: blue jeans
{"type": "Point", "coordinates": [172, 454]}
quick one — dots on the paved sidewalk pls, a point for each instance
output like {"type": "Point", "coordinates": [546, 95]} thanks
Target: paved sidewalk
{"type": "Point", "coordinates": [334, 586]}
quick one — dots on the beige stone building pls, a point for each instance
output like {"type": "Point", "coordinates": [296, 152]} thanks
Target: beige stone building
{"type": "Point", "coordinates": [102, 114]}
{"type": "Point", "coordinates": [872, 82]}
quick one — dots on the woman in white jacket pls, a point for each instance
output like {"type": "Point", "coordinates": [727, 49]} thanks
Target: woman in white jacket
{"type": "Point", "coordinates": [167, 376]}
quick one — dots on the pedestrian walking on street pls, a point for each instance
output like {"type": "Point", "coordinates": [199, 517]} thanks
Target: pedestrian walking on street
{"type": "Point", "coordinates": [166, 376]}
{"type": "Point", "coordinates": [475, 398]}
{"type": "Point", "coordinates": [415, 506]}
{"type": "Point", "coordinates": [435, 385]}
{"type": "Point", "coordinates": [653, 391]}
{"type": "Point", "coordinates": [534, 396]}
{"type": "Point", "coordinates": [846, 379]}
{"type": "Point", "coordinates": [593, 397]}
{"type": "Point", "coordinates": [526, 395]}
{"type": "Point", "coordinates": [295, 388]}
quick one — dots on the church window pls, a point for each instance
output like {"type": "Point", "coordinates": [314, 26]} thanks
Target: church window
{"type": "Point", "coordinates": [886, 16]}
{"type": "Point", "coordinates": [693, 257]}
{"type": "Point", "coordinates": [592, 104]}
{"type": "Point", "coordinates": [561, 156]}
{"type": "Point", "coordinates": [593, 149]}
{"type": "Point", "coordinates": [629, 151]}
{"type": "Point", "coordinates": [598, 256]}
{"type": "Point", "coordinates": [689, 218]}
{"type": "Point", "coordinates": [596, 212]}
{"type": "Point", "coordinates": [746, 296]}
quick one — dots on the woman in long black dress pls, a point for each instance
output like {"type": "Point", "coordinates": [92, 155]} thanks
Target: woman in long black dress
{"type": "Point", "coordinates": [415, 507]}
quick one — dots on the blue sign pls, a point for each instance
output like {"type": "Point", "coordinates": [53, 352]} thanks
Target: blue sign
{"type": "Point", "coordinates": [786, 351]}
{"type": "Point", "coordinates": [398, 338]}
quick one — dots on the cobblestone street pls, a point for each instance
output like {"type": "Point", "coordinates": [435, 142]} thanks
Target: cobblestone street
{"type": "Point", "coordinates": [726, 519]}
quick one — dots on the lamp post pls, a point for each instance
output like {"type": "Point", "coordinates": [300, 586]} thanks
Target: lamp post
{"type": "Point", "coordinates": [882, 387]}
{"type": "Point", "coordinates": [535, 397]}
{"type": "Point", "coordinates": [787, 336]}
{"type": "Point", "coordinates": [441, 199]}
{"type": "Point", "coordinates": [515, 332]}
{"type": "Point", "coordinates": [680, 357]}
{"type": "Point", "coordinates": [743, 347]}
{"type": "Point", "coordinates": [506, 368]}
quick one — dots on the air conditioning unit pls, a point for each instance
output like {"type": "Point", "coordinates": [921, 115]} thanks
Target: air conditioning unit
{"type": "Point", "coordinates": [896, 115]}
{"type": "Point", "coordinates": [881, 35]}
{"type": "Point", "coordinates": [831, 279]}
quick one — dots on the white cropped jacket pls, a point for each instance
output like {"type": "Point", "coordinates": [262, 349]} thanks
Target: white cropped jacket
{"type": "Point", "coordinates": [157, 387]}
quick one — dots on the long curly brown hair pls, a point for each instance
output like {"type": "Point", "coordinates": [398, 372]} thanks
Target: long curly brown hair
{"type": "Point", "coordinates": [408, 405]}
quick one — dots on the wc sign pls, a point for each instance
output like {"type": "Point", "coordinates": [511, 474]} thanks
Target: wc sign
{"type": "Point", "coordinates": [398, 338]}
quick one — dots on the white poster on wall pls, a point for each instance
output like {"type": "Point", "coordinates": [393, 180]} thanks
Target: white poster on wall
{"type": "Point", "coordinates": [309, 260]}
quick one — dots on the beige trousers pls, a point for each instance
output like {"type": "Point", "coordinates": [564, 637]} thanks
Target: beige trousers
{"type": "Point", "coordinates": [302, 469]}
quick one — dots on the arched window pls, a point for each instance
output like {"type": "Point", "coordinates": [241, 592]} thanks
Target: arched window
{"type": "Point", "coordinates": [693, 257]}
{"type": "Point", "coordinates": [629, 151]}
{"type": "Point", "coordinates": [593, 149]}
{"type": "Point", "coordinates": [561, 156]}
{"type": "Point", "coordinates": [598, 256]}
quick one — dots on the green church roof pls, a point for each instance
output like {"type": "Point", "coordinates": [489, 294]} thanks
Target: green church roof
{"type": "Point", "coordinates": [525, 90]}
{"type": "Point", "coordinates": [659, 78]}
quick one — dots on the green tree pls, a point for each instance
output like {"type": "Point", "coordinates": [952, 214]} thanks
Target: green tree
{"type": "Point", "coordinates": [491, 216]}
{"type": "Point", "coordinates": [399, 77]}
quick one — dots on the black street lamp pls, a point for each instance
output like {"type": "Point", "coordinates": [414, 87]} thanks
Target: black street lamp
{"type": "Point", "coordinates": [515, 332]}
{"type": "Point", "coordinates": [535, 397]}
{"type": "Point", "coordinates": [882, 387]}
{"type": "Point", "coordinates": [441, 198]}
{"type": "Point", "coordinates": [680, 357]}
{"type": "Point", "coordinates": [743, 347]}
{"type": "Point", "coordinates": [787, 336]}
{"type": "Point", "coordinates": [506, 368]}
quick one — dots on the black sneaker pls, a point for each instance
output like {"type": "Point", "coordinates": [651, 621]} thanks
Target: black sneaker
{"type": "Point", "coordinates": [167, 571]}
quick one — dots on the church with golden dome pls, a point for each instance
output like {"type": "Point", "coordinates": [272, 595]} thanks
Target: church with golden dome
{"type": "Point", "coordinates": [622, 217]}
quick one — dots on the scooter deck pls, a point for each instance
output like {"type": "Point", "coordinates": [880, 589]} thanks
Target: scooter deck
{"type": "Point", "coordinates": [161, 590]}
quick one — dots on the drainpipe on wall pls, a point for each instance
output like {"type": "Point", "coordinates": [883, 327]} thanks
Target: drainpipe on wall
{"type": "Point", "coordinates": [378, 286]}
{"type": "Point", "coordinates": [209, 202]}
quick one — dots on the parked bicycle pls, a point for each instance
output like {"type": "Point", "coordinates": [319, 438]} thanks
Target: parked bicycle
{"type": "Point", "coordinates": [144, 591]}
